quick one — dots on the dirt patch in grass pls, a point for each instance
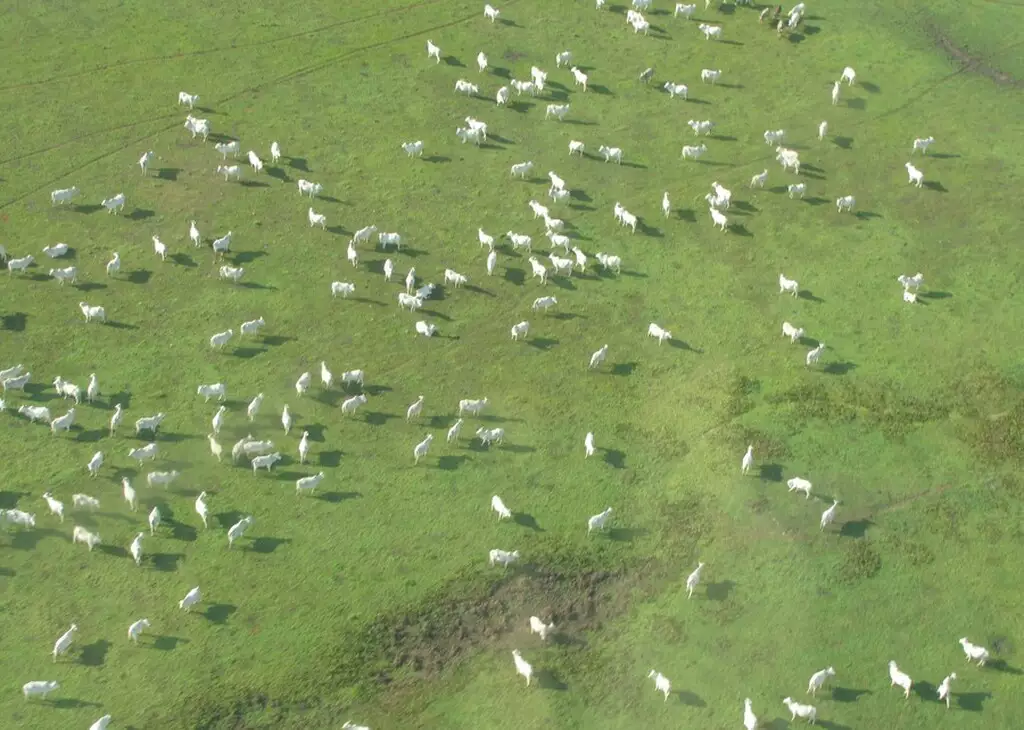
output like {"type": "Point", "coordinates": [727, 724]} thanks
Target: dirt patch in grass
{"type": "Point", "coordinates": [431, 640]}
{"type": "Point", "coordinates": [859, 561]}
{"type": "Point", "coordinates": [970, 62]}
{"type": "Point", "coordinates": [881, 406]}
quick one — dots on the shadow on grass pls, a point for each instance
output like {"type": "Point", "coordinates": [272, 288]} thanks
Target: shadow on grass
{"type": "Point", "coordinates": [168, 643]}
{"type": "Point", "coordinates": [219, 613]}
{"type": "Point", "coordinates": [376, 418]}
{"type": "Point", "coordinates": [451, 462]}
{"type": "Point", "coordinates": [89, 286]}
{"type": "Point", "coordinates": [626, 534]}
{"type": "Point", "coordinates": [1000, 665]}
{"type": "Point", "coordinates": [847, 694]}
{"type": "Point", "coordinates": [542, 343]}
{"type": "Point", "coordinates": [623, 368]}
{"type": "Point", "coordinates": [267, 545]}
{"type": "Point", "coordinates": [94, 654]}
{"type": "Point", "coordinates": [771, 472]}
{"type": "Point", "coordinates": [690, 699]}
{"type": "Point", "coordinates": [720, 591]}
{"type": "Point", "coordinates": [166, 562]}
{"type": "Point", "coordinates": [548, 679]}
{"type": "Point", "coordinates": [227, 519]}
{"type": "Point", "coordinates": [337, 497]}
{"type": "Point", "coordinates": [839, 368]}
{"type": "Point", "coordinates": [615, 458]}
{"type": "Point", "coordinates": [526, 520]}
{"type": "Point", "coordinates": [113, 550]}
{"type": "Point", "coordinates": [70, 703]}
{"type": "Point", "coordinates": [14, 322]}
{"type": "Point", "coordinates": [807, 295]}
{"type": "Point", "coordinates": [140, 276]}
{"type": "Point", "coordinates": [855, 528]}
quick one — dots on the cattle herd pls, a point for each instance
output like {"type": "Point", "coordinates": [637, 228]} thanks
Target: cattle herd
{"type": "Point", "coordinates": [413, 292]}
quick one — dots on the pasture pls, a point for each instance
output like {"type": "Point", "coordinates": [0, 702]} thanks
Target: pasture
{"type": "Point", "coordinates": [371, 600]}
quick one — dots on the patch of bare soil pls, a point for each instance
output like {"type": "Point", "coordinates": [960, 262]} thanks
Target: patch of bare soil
{"type": "Point", "coordinates": [970, 62]}
{"type": "Point", "coordinates": [439, 634]}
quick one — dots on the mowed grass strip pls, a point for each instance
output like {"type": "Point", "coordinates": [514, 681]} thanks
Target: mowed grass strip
{"type": "Point", "coordinates": [371, 600]}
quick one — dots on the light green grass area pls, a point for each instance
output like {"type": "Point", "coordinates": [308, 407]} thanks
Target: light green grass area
{"type": "Point", "coordinates": [372, 601]}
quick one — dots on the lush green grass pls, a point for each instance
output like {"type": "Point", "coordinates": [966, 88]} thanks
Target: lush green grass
{"type": "Point", "coordinates": [372, 601]}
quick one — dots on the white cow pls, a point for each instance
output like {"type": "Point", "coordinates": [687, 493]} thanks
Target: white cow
{"type": "Point", "coordinates": [711, 31]}
{"type": "Point", "coordinates": [65, 195]}
{"type": "Point", "coordinates": [413, 149]}
{"type": "Point", "coordinates": [228, 148]}
{"type": "Point", "coordinates": [317, 219]}
{"type": "Point", "coordinates": [675, 90]}
{"type": "Point", "coordinates": [922, 144]}
{"type": "Point", "coordinates": [433, 52]}
{"type": "Point", "coordinates": [686, 11]}
{"type": "Point", "coordinates": [793, 333]}
{"type": "Point", "coordinates": [915, 175]}
{"type": "Point", "coordinates": [520, 330]}
{"type": "Point", "coordinates": [558, 111]}
{"type": "Point", "coordinates": [693, 152]}
{"type": "Point", "coordinates": [114, 204]}
{"type": "Point", "coordinates": [521, 169]}
{"type": "Point", "coordinates": [709, 74]}
{"type": "Point", "coordinates": [654, 330]}
{"type": "Point", "coordinates": [701, 127]}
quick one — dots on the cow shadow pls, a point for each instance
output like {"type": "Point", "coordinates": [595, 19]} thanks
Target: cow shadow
{"type": "Point", "coordinates": [337, 497]}
{"type": "Point", "coordinates": [526, 520]}
{"type": "Point", "coordinates": [168, 643]}
{"type": "Point", "coordinates": [166, 562]}
{"type": "Point", "coordinates": [94, 654]}
{"type": "Point", "coordinates": [542, 343]}
{"type": "Point", "coordinates": [548, 679]}
{"type": "Point", "coordinates": [770, 473]}
{"type": "Point", "coordinates": [14, 322]}
{"type": "Point", "coordinates": [219, 613]}
{"type": "Point", "coordinates": [267, 545]}
{"type": "Point", "coordinates": [690, 699]}
{"type": "Point", "coordinates": [168, 173]}
{"type": "Point", "coordinates": [855, 528]}
{"type": "Point", "coordinates": [847, 694]}
{"type": "Point", "coordinates": [839, 368]}
{"type": "Point", "coordinates": [451, 462]}
{"type": "Point", "coordinates": [615, 458]}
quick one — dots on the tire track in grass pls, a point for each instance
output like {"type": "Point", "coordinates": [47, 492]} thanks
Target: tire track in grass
{"type": "Point", "coordinates": [284, 78]}
{"type": "Point", "coordinates": [225, 49]}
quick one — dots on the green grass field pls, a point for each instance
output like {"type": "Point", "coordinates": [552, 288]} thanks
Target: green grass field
{"type": "Point", "coordinates": [372, 600]}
